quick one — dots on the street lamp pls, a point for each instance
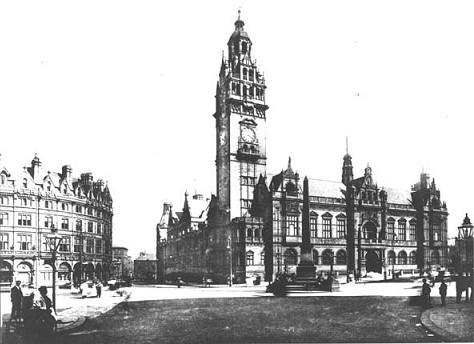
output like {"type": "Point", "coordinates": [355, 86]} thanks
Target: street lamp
{"type": "Point", "coordinates": [465, 234]}
{"type": "Point", "coordinates": [54, 240]}
{"type": "Point", "coordinates": [229, 247]}
{"type": "Point", "coordinates": [394, 255]}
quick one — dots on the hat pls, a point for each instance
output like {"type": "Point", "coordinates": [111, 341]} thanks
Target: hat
{"type": "Point", "coordinates": [40, 289]}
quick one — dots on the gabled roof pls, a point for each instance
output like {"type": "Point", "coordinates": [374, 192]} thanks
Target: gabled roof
{"type": "Point", "coordinates": [325, 188]}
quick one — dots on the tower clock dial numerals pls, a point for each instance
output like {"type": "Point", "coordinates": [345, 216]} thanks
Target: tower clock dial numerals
{"type": "Point", "coordinates": [248, 135]}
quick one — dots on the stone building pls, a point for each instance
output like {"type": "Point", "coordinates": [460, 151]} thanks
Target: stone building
{"type": "Point", "coordinates": [145, 267]}
{"type": "Point", "coordinates": [122, 263]}
{"type": "Point", "coordinates": [253, 224]}
{"type": "Point", "coordinates": [35, 200]}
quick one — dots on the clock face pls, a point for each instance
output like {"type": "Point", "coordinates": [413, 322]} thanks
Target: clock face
{"type": "Point", "coordinates": [248, 135]}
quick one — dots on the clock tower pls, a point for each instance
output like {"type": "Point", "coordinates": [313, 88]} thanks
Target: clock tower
{"type": "Point", "coordinates": [240, 125]}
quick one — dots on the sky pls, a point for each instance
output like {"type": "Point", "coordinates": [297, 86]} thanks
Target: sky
{"type": "Point", "coordinates": [125, 90]}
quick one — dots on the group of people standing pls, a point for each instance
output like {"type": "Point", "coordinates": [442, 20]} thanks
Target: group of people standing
{"type": "Point", "coordinates": [36, 309]}
{"type": "Point", "coordinates": [463, 284]}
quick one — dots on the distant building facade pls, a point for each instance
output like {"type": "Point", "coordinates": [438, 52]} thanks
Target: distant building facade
{"type": "Point", "coordinates": [145, 267]}
{"type": "Point", "coordinates": [122, 262]}
{"type": "Point", "coordinates": [35, 200]}
{"type": "Point", "coordinates": [253, 226]}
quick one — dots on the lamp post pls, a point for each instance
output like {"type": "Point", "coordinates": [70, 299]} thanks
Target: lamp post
{"type": "Point", "coordinates": [465, 233]}
{"type": "Point", "coordinates": [394, 255]}
{"type": "Point", "coordinates": [229, 247]}
{"type": "Point", "coordinates": [54, 240]}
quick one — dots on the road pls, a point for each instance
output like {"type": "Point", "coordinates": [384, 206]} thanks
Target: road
{"type": "Point", "coordinates": [168, 314]}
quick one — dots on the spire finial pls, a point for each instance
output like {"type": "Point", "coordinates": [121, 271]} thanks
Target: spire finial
{"type": "Point", "coordinates": [289, 162]}
{"type": "Point", "coordinates": [240, 10]}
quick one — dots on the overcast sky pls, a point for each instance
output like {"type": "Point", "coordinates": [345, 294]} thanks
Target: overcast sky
{"type": "Point", "coordinates": [125, 90]}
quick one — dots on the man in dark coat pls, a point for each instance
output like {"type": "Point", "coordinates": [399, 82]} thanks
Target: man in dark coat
{"type": "Point", "coordinates": [16, 296]}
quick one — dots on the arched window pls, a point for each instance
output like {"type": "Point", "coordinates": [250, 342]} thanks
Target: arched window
{"type": "Point", "coordinates": [341, 257]}
{"type": "Point", "coordinates": [290, 187]}
{"type": "Point", "coordinates": [435, 257]}
{"type": "Point", "coordinates": [402, 257]}
{"type": "Point", "coordinates": [244, 48]}
{"type": "Point", "coordinates": [25, 183]}
{"type": "Point", "coordinates": [249, 232]}
{"type": "Point", "coordinates": [391, 257]}
{"type": "Point", "coordinates": [412, 257]}
{"type": "Point", "coordinates": [327, 257]}
{"type": "Point", "coordinates": [249, 256]}
{"type": "Point", "coordinates": [315, 257]}
{"type": "Point", "coordinates": [257, 233]}
{"type": "Point", "coordinates": [48, 186]}
{"type": "Point", "coordinates": [290, 257]}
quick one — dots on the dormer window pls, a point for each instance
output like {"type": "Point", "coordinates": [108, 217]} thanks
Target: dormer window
{"type": "Point", "coordinates": [48, 186]}
{"type": "Point", "coordinates": [25, 183]}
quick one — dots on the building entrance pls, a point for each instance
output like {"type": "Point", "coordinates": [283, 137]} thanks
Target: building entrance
{"type": "Point", "coordinates": [373, 261]}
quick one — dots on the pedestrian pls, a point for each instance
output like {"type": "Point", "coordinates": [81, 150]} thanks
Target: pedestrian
{"type": "Point", "coordinates": [16, 295]}
{"type": "Point", "coordinates": [179, 282]}
{"type": "Point", "coordinates": [461, 285]}
{"type": "Point", "coordinates": [98, 287]}
{"type": "Point", "coordinates": [442, 291]}
{"type": "Point", "coordinates": [425, 294]}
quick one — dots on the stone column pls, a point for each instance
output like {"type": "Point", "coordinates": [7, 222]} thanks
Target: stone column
{"type": "Point", "coordinates": [306, 269]}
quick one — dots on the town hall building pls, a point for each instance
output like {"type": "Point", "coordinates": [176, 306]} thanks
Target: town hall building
{"type": "Point", "coordinates": [253, 225]}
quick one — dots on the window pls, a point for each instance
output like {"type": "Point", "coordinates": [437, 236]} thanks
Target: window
{"type": "Point", "coordinates": [48, 221]}
{"type": "Point", "coordinates": [24, 202]}
{"type": "Point", "coordinates": [257, 233]}
{"type": "Point", "coordinates": [48, 186]}
{"type": "Point", "coordinates": [78, 209]}
{"type": "Point", "coordinates": [4, 219]}
{"type": "Point", "coordinates": [246, 203]}
{"type": "Point", "coordinates": [4, 200]}
{"type": "Point", "coordinates": [291, 225]}
{"type": "Point", "coordinates": [77, 244]}
{"type": "Point", "coordinates": [251, 75]}
{"type": "Point", "coordinates": [327, 227]}
{"type": "Point", "coordinates": [90, 245]}
{"type": "Point", "coordinates": [313, 224]}
{"type": "Point", "coordinates": [63, 206]}
{"type": "Point", "coordinates": [328, 257]}
{"type": "Point", "coordinates": [25, 183]}
{"type": "Point", "coordinates": [245, 73]}
{"type": "Point", "coordinates": [99, 228]}
{"type": "Point", "coordinates": [390, 229]}
{"type": "Point", "coordinates": [341, 258]}
{"type": "Point", "coordinates": [79, 225]}
{"type": "Point", "coordinates": [402, 230]}
{"type": "Point", "coordinates": [89, 211]}
{"type": "Point", "coordinates": [412, 258]}
{"type": "Point", "coordinates": [262, 258]}
{"type": "Point", "coordinates": [341, 227]}
{"type": "Point", "coordinates": [47, 204]}
{"type": "Point", "coordinates": [4, 179]}
{"type": "Point", "coordinates": [24, 220]}
{"type": "Point", "coordinates": [65, 245]}
{"type": "Point", "coordinates": [391, 258]}
{"type": "Point", "coordinates": [412, 230]}
{"type": "Point", "coordinates": [249, 258]}
{"type": "Point", "coordinates": [24, 242]}
{"type": "Point", "coordinates": [90, 227]}
{"type": "Point", "coordinates": [290, 257]}
{"type": "Point", "coordinates": [249, 232]}
{"type": "Point", "coordinates": [402, 257]}
{"type": "Point", "coordinates": [4, 241]}
{"type": "Point", "coordinates": [98, 246]}
{"type": "Point", "coordinates": [65, 223]}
